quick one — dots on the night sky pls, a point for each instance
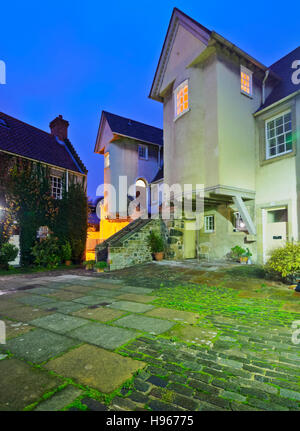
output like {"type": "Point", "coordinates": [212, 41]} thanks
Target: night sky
{"type": "Point", "coordinates": [76, 58]}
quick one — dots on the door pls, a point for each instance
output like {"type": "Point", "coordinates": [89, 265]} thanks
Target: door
{"type": "Point", "coordinates": [275, 230]}
{"type": "Point", "coordinates": [189, 240]}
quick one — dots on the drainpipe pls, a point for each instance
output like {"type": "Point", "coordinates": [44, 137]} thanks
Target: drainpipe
{"type": "Point", "coordinates": [263, 86]}
{"type": "Point", "coordinates": [67, 180]}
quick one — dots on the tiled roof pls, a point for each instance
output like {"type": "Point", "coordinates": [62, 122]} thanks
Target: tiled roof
{"type": "Point", "coordinates": [134, 129]}
{"type": "Point", "coordinates": [25, 140]}
{"type": "Point", "coordinates": [283, 69]}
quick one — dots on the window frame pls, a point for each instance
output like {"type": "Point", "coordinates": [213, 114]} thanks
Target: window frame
{"type": "Point", "coordinates": [248, 72]}
{"type": "Point", "coordinates": [106, 160]}
{"type": "Point", "coordinates": [55, 195]}
{"type": "Point", "coordinates": [267, 121]}
{"type": "Point", "coordinates": [209, 230]}
{"type": "Point", "coordinates": [176, 91]}
{"type": "Point", "coordinates": [145, 147]}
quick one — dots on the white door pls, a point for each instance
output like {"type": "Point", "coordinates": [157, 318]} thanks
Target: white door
{"type": "Point", "coordinates": [276, 231]}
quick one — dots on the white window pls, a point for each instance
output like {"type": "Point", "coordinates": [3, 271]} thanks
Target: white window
{"type": "Point", "coordinates": [56, 187]}
{"type": "Point", "coordinates": [239, 224]}
{"type": "Point", "coordinates": [209, 223]}
{"type": "Point", "coordinates": [246, 81]}
{"type": "Point", "coordinates": [106, 160]}
{"type": "Point", "coordinates": [279, 135]}
{"type": "Point", "coordinates": [181, 99]}
{"type": "Point", "coordinates": [143, 152]}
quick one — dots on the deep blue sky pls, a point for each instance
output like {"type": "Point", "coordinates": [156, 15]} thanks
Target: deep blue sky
{"type": "Point", "coordinates": [76, 58]}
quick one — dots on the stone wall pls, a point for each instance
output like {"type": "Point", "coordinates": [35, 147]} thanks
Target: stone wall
{"type": "Point", "coordinates": [134, 249]}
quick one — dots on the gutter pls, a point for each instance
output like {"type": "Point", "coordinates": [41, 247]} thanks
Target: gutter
{"type": "Point", "coordinates": [290, 96]}
{"type": "Point", "coordinates": [264, 86]}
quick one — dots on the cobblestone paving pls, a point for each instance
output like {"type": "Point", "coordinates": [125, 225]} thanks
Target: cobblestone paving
{"type": "Point", "coordinates": [171, 337]}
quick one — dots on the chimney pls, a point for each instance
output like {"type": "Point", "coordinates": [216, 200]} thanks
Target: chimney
{"type": "Point", "coordinates": [59, 128]}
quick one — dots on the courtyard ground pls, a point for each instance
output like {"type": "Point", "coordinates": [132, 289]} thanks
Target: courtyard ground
{"type": "Point", "coordinates": [160, 336]}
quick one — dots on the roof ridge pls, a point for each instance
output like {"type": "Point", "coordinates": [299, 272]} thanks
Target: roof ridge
{"type": "Point", "coordinates": [27, 124]}
{"type": "Point", "coordinates": [286, 55]}
{"type": "Point", "coordinates": [130, 119]}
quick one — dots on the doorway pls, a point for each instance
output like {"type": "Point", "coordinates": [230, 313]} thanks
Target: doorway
{"type": "Point", "coordinates": [189, 240]}
{"type": "Point", "coordinates": [275, 230]}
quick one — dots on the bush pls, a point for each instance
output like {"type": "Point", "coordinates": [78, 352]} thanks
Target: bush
{"type": "Point", "coordinates": [101, 264]}
{"type": "Point", "coordinates": [155, 242]}
{"type": "Point", "coordinates": [8, 253]}
{"type": "Point", "coordinates": [66, 251]}
{"type": "Point", "coordinates": [285, 261]}
{"type": "Point", "coordinates": [47, 253]}
{"type": "Point", "coordinates": [89, 264]}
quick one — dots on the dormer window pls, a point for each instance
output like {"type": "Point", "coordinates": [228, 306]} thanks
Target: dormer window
{"type": "Point", "coordinates": [246, 81]}
{"type": "Point", "coordinates": [181, 99]}
{"type": "Point", "coordinates": [143, 152]}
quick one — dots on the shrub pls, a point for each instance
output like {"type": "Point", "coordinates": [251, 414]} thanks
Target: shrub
{"type": "Point", "coordinates": [47, 253]}
{"type": "Point", "coordinates": [155, 242]}
{"type": "Point", "coordinates": [89, 264]}
{"type": "Point", "coordinates": [66, 251]}
{"type": "Point", "coordinates": [8, 253]}
{"type": "Point", "coordinates": [285, 261]}
{"type": "Point", "coordinates": [237, 252]}
{"type": "Point", "coordinates": [101, 264]}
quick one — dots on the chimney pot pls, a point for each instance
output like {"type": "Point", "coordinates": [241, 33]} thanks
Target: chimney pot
{"type": "Point", "coordinates": [59, 128]}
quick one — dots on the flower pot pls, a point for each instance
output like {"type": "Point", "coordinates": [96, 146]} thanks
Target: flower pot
{"type": "Point", "coordinates": [68, 262]}
{"type": "Point", "coordinates": [99, 270]}
{"type": "Point", "coordinates": [88, 267]}
{"type": "Point", "coordinates": [159, 255]}
{"type": "Point", "coordinates": [243, 260]}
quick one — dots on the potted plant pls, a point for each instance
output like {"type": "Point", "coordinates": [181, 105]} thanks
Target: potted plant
{"type": "Point", "coordinates": [248, 255]}
{"type": "Point", "coordinates": [89, 264]}
{"type": "Point", "coordinates": [238, 253]}
{"type": "Point", "coordinates": [66, 253]}
{"type": "Point", "coordinates": [100, 266]}
{"type": "Point", "coordinates": [156, 244]}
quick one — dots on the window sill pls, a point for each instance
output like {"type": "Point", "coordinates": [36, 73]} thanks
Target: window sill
{"type": "Point", "coordinates": [181, 115]}
{"type": "Point", "coordinates": [273, 159]}
{"type": "Point", "coordinates": [250, 96]}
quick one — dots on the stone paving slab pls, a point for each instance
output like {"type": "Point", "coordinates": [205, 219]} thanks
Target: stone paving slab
{"type": "Point", "coordinates": [103, 314]}
{"type": "Point", "coordinates": [59, 400]}
{"type": "Point", "coordinates": [106, 292]}
{"type": "Point", "coordinates": [95, 367]}
{"type": "Point", "coordinates": [63, 306]}
{"type": "Point", "coordinates": [40, 291]}
{"type": "Point", "coordinates": [145, 324]}
{"type": "Point", "coordinates": [64, 295]}
{"type": "Point", "coordinates": [22, 385]}
{"type": "Point", "coordinates": [34, 300]}
{"type": "Point", "coordinates": [78, 289]}
{"type": "Point", "coordinates": [39, 345]}
{"type": "Point", "coordinates": [145, 299]}
{"type": "Point", "coordinates": [8, 304]}
{"type": "Point", "coordinates": [108, 337]}
{"type": "Point", "coordinates": [109, 286]}
{"type": "Point", "coordinates": [177, 315]}
{"type": "Point", "coordinates": [60, 323]}
{"type": "Point", "coordinates": [93, 300]}
{"type": "Point", "coordinates": [134, 289]}
{"type": "Point", "coordinates": [134, 307]}
{"type": "Point", "coordinates": [24, 313]}
{"type": "Point", "coordinates": [14, 329]}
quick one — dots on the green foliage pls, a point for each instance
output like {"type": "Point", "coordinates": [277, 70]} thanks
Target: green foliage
{"type": "Point", "coordinates": [66, 251]}
{"type": "Point", "coordinates": [47, 253]}
{"type": "Point", "coordinates": [72, 220]}
{"type": "Point", "coordinates": [89, 264]}
{"type": "Point", "coordinates": [155, 242]}
{"type": "Point", "coordinates": [285, 261]}
{"type": "Point", "coordinates": [101, 265]}
{"type": "Point", "coordinates": [8, 253]}
{"type": "Point", "coordinates": [247, 253]}
{"type": "Point", "coordinates": [237, 252]}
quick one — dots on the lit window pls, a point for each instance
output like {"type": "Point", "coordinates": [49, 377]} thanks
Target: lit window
{"type": "Point", "coordinates": [279, 135]}
{"type": "Point", "coordinates": [239, 225]}
{"type": "Point", "coordinates": [143, 152]}
{"type": "Point", "coordinates": [106, 160]}
{"type": "Point", "coordinates": [56, 187]}
{"type": "Point", "coordinates": [209, 223]}
{"type": "Point", "coordinates": [181, 99]}
{"type": "Point", "coordinates": [246, 81]}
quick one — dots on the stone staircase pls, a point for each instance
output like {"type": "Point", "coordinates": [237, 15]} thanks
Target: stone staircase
{"type": "Point", "coordinates": [129, 246]}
